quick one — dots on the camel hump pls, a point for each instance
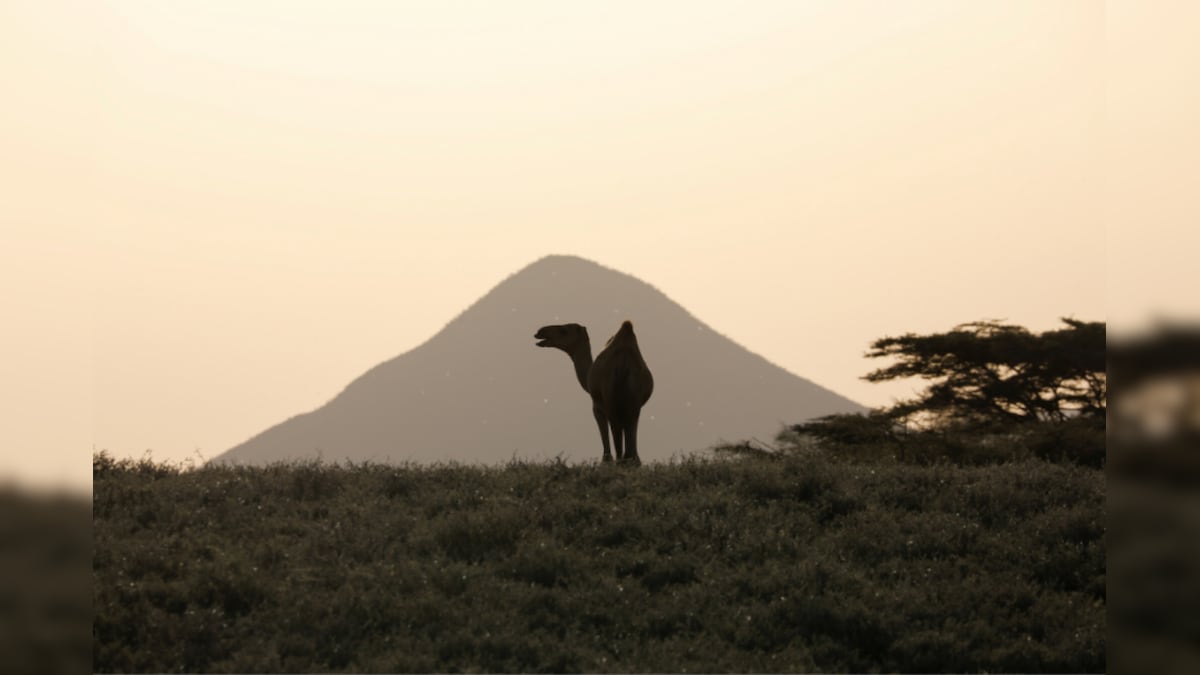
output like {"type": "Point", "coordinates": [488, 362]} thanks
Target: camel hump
{"type": "Point", "coordinates": [623, 336]}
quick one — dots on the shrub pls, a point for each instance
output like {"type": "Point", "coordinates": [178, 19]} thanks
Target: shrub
{"type": "Point", "coordinates": [801, 561]}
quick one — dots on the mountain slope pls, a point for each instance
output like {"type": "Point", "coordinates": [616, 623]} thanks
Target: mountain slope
{"type": "Point", "coordinates": [480, 390]}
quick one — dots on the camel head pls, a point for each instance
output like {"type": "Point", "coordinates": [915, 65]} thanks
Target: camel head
{"type": "Point", "coordinates": [567, 337]}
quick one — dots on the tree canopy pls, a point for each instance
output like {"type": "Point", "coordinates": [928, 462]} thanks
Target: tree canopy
{"type": "Point", "coordinates": [988, 372]}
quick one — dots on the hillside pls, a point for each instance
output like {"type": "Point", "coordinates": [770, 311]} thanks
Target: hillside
{"type": "Point", "coordinates": [480, 391]}
{"type": "Point", "coordinates": [803, 564]}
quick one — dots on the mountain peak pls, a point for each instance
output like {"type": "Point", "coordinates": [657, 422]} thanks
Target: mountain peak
{"type": "Point", "coordinates": [480, 390]}
{"type": "Point", "coordinates": [569, 265]}
{"type": "Point", "coordinates": [562, 259]}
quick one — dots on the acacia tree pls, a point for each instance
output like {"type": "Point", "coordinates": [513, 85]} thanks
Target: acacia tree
{"type": "Point", "coordinates": [987, 372]}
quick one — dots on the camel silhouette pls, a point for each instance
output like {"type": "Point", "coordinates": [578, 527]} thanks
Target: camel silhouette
{"type": "Point", "coordinates": [617, 380]}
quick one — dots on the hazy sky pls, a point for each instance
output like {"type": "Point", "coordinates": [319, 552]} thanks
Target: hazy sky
{"type": "Point", "coordinates": [217, 214]}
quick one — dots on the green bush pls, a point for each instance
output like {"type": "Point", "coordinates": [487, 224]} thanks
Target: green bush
{"type": "Point", "coordinates": [794, 562]}
{"type": "Point", "coordinates": [877, 436]}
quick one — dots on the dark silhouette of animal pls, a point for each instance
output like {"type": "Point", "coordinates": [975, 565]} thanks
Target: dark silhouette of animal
{"type": "Point", "coordinates": [618, 381]}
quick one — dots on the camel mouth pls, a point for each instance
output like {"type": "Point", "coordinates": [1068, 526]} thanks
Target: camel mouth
{"type": "Point", "coordinates": [542, 343]}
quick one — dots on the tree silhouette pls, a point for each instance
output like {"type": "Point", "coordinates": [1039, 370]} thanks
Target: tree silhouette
{"type": "Point", "coordinates": [987, 372]}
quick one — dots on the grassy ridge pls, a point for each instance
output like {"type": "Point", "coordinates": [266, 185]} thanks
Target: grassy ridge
{"type": "Point", "coordinates": [754, 565]}
{"type": "Point", "coordinates": [45, 589]}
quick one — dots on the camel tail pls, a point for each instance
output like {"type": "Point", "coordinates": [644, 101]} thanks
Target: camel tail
{"type": "Point", "coordinates": [622, 390]}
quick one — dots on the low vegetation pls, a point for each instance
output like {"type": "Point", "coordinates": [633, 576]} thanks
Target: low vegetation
{"type": "Point", "coordinates": [877, 436]}
{"type": "Point", "coordinates": [45, 589]}
{"type": "Point", "coordinates": [796, 561]}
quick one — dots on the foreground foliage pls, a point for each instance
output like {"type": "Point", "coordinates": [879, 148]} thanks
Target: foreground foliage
{"type": "Point", "coordinates": [45, 591]}
{"type": "Point", "coordinates": [875, 436]}
{"type": "Point", "coordinates": [783, 564]}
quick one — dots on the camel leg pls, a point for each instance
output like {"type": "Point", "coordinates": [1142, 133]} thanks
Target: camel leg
{"type": "Point", "coordinates": [603, 424]}
{"type": "Point", "coordinates": [631, 449]}
{"type": "Point", "coordinates": [618, 434]}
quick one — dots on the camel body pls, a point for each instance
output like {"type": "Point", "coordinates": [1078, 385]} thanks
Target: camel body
{"type": "Point", "coordinates": [618, 381]}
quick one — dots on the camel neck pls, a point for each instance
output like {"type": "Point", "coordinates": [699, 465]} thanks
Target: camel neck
{"type": "Point", "coordinates": [582, 358]}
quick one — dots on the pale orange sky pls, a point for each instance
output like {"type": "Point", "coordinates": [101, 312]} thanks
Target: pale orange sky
{"type": "Point", "coordinates": [217, 214]}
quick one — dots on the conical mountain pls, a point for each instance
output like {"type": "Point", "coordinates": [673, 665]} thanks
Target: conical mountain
{"type": "Point", "coordinates": [481, 391]}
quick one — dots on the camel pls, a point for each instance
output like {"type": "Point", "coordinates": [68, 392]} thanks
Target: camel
{"type": "Point", "coordinates": [618, 382]}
